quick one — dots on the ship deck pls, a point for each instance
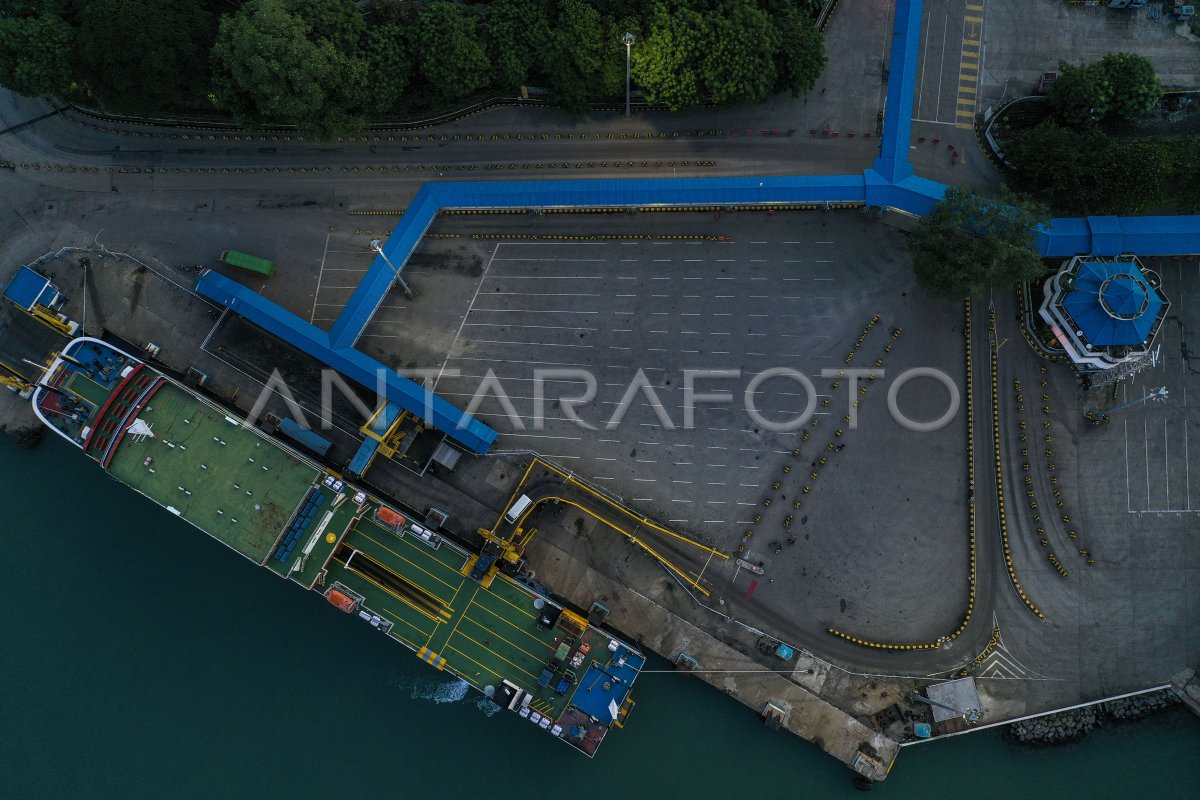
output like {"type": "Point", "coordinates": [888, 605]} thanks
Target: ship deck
{"type": "Point", "coordinates": [222, 477]}
{"type": "Point", "coordinates": [483, 634]}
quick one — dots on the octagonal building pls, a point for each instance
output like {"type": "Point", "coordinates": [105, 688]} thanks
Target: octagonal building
{"type": "Point", "coordinates": [1105, 312]}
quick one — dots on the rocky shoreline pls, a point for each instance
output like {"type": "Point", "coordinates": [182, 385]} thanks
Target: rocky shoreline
{"type": "Point", "coordinates": [1071, 726]}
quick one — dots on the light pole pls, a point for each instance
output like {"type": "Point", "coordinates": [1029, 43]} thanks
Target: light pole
{"type": "Point", "coordinates": [1152, 395]}
{"type": "Point", "coordinates": [377, 246]}
{"type": "Point", "coordinates": [1159, 394]}
{"type": "Point", "coordinates": [628, 40]}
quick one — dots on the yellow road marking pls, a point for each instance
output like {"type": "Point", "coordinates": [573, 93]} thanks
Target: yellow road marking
{"type": "Point", "coordinates": [493, 635]}
{"type": "Point", "coordinates": [397, 618]}
{"type": "Point", "coordinates": [460, 619]}
{"type": "Point", "coordinates": [547, 645]}
{"type": "Point", "coordinates": [974, 7]}
{"type": "Point", "coordinates": [972, 78]}
{"type": "Point", "coordinates": [967, 89]}
{"type": "Point", "coordinates": [970, 18]}
{"type": "Point", "coordinates": [962, 113]}
{"type": "Point", "coordinates": [406, 561]}
{"type": "Point", "coordinates": [404, 600]}
{"type": "Point", "coordinates": [497, 655]}
{"type": "Point", "coordinates": [489, 670]}
{"type": "Point", "coordinates": [508, 603]}
{"type": "Point", "coordinates": [963, 126]}
{"type": "Point", "coordinates": [420, 548]}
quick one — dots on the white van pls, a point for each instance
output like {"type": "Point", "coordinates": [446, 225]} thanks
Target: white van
{"type": "Point", "coordinates": [518, 508]}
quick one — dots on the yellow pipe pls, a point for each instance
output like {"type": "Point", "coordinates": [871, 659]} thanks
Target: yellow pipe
{"type": "Point", "coordinates": [654, 554]}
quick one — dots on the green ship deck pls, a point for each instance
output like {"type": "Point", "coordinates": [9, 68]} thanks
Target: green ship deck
{"type": "Point", "coordinates": [220, 476]}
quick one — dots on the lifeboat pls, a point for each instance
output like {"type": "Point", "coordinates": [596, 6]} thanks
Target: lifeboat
{"type": "Point", "coordinates": [342, 600]}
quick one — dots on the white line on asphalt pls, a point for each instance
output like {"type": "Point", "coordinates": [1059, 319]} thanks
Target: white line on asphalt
{"type": "Point", "coordinates": [602, 478]}
{"type": "Point", "coordinates": [542, 294]}
{"type": "Point", "coordinates": [541, 436]}
{"type": "Point", "coordinates": [547, 277]}
{"type": "Point", "coordinates": [534, 311]}
{"type": "Point", "coordinates": [646, 480]}
{"type": "Point", "coordinates": [515, 361]}
{"type": "Point", "coordinates": [510, 325]}
{"type": "Point", "coordinates": [1187, 476]}
{"type": "Point", "coordinates": [474, 297]}
{"type": "Point", "coordinates": [527, 344]}
{"type": "Point", "coordinates": [1166, 466]}
{"type": "Point", "coordinates": [320, 275]}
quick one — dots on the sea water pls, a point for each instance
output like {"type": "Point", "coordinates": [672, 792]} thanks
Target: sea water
{"type": "Point", "coordinates": [142, 659]}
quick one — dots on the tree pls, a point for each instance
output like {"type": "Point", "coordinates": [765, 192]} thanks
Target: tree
{"type": "Point", "coordinates": [146, 55]}
{"type": "Point", "coordinates": [35, 54]}
{"type": "Point", "coordinates": [449, 52]}
{"type": "Point", "coordinates": [1134, 88]}
{"type": "Point", "coordinates": [517, 37]}
{"type": "Point", "coordinates": [1186, 174]}
{"type": "Point", "coordinates": [737, 63]}
{"type": "Point", "coordinates": [1061, 166]}
{"type": "Point", "coordinates": [270, 65]}
{"type": "Point", "coordinates": [1089, 172]}
{"type": "Point", "coordinates": [576, 55]}
{"type": "Point", "coordinates": [800, 59]}
{"type": "Point", "coordinates": [970, 242]}
{"type": "Point", "coordinates": [339, 21]}
{"type": "Point", "coordinates": [1080, 95]}
{"type": "Point", "coordinates": [663, 65]}
{"type": "Point", "coordinates": [389, 67]}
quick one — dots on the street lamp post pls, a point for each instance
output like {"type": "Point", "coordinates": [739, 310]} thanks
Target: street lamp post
{"type": "Point", "coordinates": [377, 246]}
{"type": "Point", "coordinates": [628, 40]}
{"type": "Point", "coordinates": [1159, 394]}
{"type": "Point", "coordinates": [1153, 395]}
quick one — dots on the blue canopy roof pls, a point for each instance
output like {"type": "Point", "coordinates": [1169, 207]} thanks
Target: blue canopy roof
{"type": "Point", "coordinates": [26, 288]}
{"type": "Point", "coordinates": [1113, 303]}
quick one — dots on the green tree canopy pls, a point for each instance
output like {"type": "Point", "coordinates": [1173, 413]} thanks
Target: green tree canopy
{"type": "Point", "coordinates": [737, 64]}
{"type": "Point", "coordinates": [576, 55]}
{"type": "Point", "coordinates": [146, 55]}
{"type": "Point", "coordinates": [389, 67]}
{"type": "Point", "coordinates": [1133, 85]}
{"type": "Point", "coordinates": [800, 59]}
{"type": "Point", "coordinates": [338, 21]}
{"type": "Point", "coordinates": [35, 54]}
{"type": "Point", "coordinates": [517, 37]}
{"type": "Point", "coordinates": [270, 65]}
{"type": "Point", "coordinates": [1089, 172]}
{"type": "Point", "coordinates": [1080, 95]}
{"type": "Point", "coordinates": [449, 51]}
{"type": "Point", "coordinates": [664, 62]}
{"type": "Point", "coordinates": [970, 242]}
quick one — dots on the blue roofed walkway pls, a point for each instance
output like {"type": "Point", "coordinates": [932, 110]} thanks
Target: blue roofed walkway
{"type": "Point", "coordinates": [359, 367]}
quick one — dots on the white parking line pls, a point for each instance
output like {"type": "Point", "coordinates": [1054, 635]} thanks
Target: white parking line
{"type": "Point", "coordinates": [528, 344]}
{"type": "Point", "coordinates": [534, 311]}
{"type": "Point", "coordinates": [510, 325]}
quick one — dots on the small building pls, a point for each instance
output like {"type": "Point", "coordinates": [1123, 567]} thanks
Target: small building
{"type": "Point", "coordinates": [33, 293]}
{"type": "Point", "coordinates": [1105, 312]}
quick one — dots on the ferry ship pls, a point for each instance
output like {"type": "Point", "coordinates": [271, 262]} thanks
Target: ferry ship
{"type": "Point", "coordinates": [275, 506]}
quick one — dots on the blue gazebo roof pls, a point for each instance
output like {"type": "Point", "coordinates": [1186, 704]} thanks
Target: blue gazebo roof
{"type": "Point", "coordinates": [1113, 303]}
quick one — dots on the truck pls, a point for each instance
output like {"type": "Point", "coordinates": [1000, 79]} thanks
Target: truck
{"type": "Point", "coordinates": [304, 436]}
{"type": "Point", "coordinates": [249, 263]}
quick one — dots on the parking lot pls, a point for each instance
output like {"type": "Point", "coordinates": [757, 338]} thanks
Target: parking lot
{"type": "Point", "coordinates": [1022, 39]}
{"type": "Point", "coordinates": [737, 294]}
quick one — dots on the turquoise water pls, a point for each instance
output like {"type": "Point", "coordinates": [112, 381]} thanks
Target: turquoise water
{"type": "Point", "coordinates": [141, 659]}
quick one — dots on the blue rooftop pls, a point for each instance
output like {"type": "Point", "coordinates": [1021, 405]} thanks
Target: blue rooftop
{"type": "Point", "coordinates": [26, 289]}
{"type": "Point", "coordinates": [607, 684]}
{"type": "Point", "coordinates": [1113, 303]}
{"type": "Point", "coordinates": [355, 365]}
